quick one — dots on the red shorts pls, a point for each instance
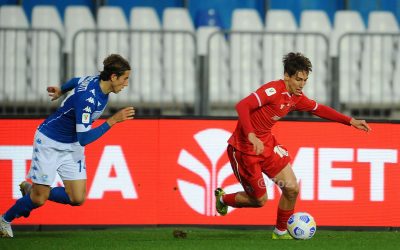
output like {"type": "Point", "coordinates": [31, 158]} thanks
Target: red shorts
{"type": "Point", "coordinates": [248, 169]}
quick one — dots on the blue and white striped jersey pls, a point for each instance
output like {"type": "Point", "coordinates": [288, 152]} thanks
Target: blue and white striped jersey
{"type": "Point", "coordinates": [83, 104]}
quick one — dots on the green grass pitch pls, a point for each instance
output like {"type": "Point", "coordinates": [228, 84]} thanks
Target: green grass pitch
{"type": "Point", "coordinates": [197, 238]}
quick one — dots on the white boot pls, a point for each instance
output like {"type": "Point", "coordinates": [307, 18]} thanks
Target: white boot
{"type": "Point", "coordinates": [5, 229]}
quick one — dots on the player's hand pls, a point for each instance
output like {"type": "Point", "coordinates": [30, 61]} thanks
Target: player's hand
{"type": "Point", "coordinates": [258, 145]}
{"type": "Point", "coordinates": [54, 92]}
{"type": "Point", "coordinates": [360, 124]}
{"type": "Point", "coordinates": [122, 115]}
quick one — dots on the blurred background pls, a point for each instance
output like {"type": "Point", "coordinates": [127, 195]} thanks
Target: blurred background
{"type": "Point", "coordinates": [198, 58]}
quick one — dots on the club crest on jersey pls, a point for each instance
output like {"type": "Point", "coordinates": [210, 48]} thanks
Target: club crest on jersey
{"type": "Point", "coordinates": [85, 118]}
{"type": "Point", "coordinates": [270, 91]}
{"type": "Point", "coordinates": [87, 109]}
{"type": "Point", "coordinates": [90, 100]}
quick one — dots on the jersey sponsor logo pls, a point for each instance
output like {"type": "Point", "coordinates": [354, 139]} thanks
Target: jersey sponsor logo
{"type": "Point", "coordinates": [212, 172]}
{"type": "Point", "coordinates": [87, 109]}
{"type": "Point", "coordinates": [270, 91]}
{"type": "Point", "coordinates": [85, 118]}
{"type": "Point", "coordinates": [90, 100]}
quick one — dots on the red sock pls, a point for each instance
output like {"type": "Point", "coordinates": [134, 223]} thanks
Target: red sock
{"type": "Point", "coordinates": [229, 200]}
{"type": "Point", "coordinates": [283, 217]}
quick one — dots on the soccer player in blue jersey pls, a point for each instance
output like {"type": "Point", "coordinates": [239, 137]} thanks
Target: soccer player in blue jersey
{"type": "Point", "coordinates": [59, 141]}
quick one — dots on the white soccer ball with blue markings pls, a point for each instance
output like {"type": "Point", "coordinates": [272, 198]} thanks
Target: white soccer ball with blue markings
{"type": "Point", "coordinates": [301, 226]}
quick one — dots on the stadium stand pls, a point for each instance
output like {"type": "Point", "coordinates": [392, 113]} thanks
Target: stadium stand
{"type": "Point", "coordinates": [392, 6]}
{"type": "Point", "coordinates": [276, 44]}
{"type": "Point", "coordinates": [113, 38]}
{"type": "Point", "coordinates": [157, 5]}
{"type": "Point", "coordinates": [145, 57]}
{"type": "Point", "coordinates": [245, 63]}
{"type": "Point", "coordinates": [46, 50]}
{"type": "Point", "coordinates": [164, 46]}
{"type": "Point", "coordinates": [8, 2]}
{"type": "Point", "coordinates": [349, 50]}
{"type": "Point", "coordinates": [212, 43]}
{"type": "Point", "coordinates": [364, 7]}
{"type": "Point", "coordinates": [225, 9]}
{"type": "Point", "coordinates": [378, 59]}
{"type": "Point", "coordinates": [316, 47]}
{"type": "Point", "coordinates": [59, 5]}
{"type": "Point", "coordinates": [82, 62]}
{"type": "Point", "coordinates": [13, 64]}
{"type": "Point", "coordinates": [298, 6]}
{"type": "Point", "coordinates": [208, 17]}
{"type": "Point", "coordinates": [179, 54]}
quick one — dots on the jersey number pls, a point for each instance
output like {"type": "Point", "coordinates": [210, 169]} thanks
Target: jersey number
{"type": "Point", "coordinates": [81, 166]}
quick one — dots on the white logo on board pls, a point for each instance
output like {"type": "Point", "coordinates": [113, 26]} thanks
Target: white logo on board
{"type": "Point", "coordinates": [200, 195]}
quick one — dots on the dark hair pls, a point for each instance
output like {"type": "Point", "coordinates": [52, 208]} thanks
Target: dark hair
{"type": "Point", "coordinates": [114, 64]}
{"type": "Point", "coordinates": [294, 62]}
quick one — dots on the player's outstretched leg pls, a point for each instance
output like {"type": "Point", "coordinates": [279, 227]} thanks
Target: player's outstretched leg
{"type": "Point", "coordinates": [222, 209]}
{"type": "Point", "coordinates": [25, 188]}
{"type": "Point", "coordinates": [5, 229]}
{"type": "Point", "coordinates": [286, 180]}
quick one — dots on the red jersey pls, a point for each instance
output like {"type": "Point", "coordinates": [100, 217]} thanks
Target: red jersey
{"type": "Point", "coordinates": [263, 108]}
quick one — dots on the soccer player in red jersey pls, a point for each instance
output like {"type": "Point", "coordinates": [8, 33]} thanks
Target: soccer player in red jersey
{"type": "Point", "coordinates": [254, 150]}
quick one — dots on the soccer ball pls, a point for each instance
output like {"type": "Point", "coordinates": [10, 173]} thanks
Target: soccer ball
{"type": "Point", "coordinates": [301, 226]}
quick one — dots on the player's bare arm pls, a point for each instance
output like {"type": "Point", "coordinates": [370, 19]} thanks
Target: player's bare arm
{"type": "Point", "coordinates": [360, 124]}
{"type": "Point", "coordinates": [258, 145]}
{"type": "Point", "coordinates": [54, 92]}
{"type": "Point", "coordinates": [122, 115]}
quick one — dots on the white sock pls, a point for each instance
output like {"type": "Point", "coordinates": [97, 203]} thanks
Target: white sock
{"type": "Point", "coordinates": [221, 200]}
{"type": "Point", "coordinates": [279, 232]}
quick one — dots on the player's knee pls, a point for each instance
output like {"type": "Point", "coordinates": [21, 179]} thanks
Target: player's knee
{"type": "Point", "coordinates": [292, 191]}
{"type": "Point", "coordinates": [77, 201]}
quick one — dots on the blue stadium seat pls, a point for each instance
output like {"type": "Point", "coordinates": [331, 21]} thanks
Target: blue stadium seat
{"type": "Point", "coordinates": [292, 5]}
{"type": "Point", "coordinates": [393, 6]}
{"type": "Point", "coordinates": [297, 6]}
{"type": "Point", "coordinates": [225, 8]}
{"type": "Point", "coordinates": [364, 7]}
{"type": "Point", "coordinates": [156, 4]}
{"type": "Point", "coordinates": [61, 5]}
{"type": "Point", "coordinates": [208, 17]}
{"type": "Point", "coordinates": [329, 6]}
{"type": "Point", "coordinates": [8, 2]}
